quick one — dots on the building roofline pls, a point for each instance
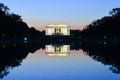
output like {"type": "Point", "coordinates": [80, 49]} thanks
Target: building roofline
{"type": "Point", "coordinates": [57, 26]}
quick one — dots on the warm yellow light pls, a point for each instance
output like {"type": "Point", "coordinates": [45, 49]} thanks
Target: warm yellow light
{"type": "Point", "coordinates": [57, 54]}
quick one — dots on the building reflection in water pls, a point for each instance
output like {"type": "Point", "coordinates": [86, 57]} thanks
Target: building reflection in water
{"type": "Point", "coordinates": [57, 50]}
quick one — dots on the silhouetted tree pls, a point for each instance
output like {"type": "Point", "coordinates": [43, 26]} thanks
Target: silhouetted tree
{"type": "Point", "coordinates": [108, 26]}
{"type": "Point", "coordinates": [75, 33]}
{"type": "Point", "coordinates": [12, 55]}
{"type": "Point", "coordinates": [35, 33]}
{"type": "Point", "coordinates": [11, 25]}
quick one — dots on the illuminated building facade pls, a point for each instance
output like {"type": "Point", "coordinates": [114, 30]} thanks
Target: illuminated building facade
{"type": "Point", "coordinates": [57, 29]}
{"type": "Point", "coordinates": [57, 50]}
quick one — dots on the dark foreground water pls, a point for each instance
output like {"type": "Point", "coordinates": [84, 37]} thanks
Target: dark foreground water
{"type": "Point", "coordinates": [59, 62]}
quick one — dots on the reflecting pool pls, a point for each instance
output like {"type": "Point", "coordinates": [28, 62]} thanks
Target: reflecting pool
{"type": "Point", "coordinates": [58, 62]}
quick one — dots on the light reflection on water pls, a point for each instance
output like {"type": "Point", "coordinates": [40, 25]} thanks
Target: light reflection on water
{"type": "Point", "coordinates": [57, 50]}
{"type": "Point", "coordinates": [75, 66]}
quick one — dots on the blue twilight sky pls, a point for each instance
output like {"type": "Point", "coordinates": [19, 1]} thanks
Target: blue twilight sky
{"type": "Point", "coordinates": [76, 13]}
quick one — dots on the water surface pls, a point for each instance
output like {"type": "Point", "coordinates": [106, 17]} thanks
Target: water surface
{"type": "Point", "coordinates": [76, 65]}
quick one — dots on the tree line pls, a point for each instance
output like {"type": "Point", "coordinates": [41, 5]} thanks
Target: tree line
{"type": "Point", "coordinates": [106, 27]}
{"type": "Point", "coordinates": [12, 26]}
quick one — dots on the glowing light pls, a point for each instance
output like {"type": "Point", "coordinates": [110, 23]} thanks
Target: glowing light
{"type": "Point", "coordinates": [57, 29]}
{"type": "Point", "coordinates": [61, 50]}
{"type": "Point", "coordinates": [57, 54]}
{"type": "Point", "coordinates": [25, 38]}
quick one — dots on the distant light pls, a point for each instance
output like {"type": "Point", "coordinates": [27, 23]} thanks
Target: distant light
{"type": "Point", "coordinates": [105, 43]}
{"type": "Point", "coordinates": [58, 26]}
{"type": "Point", "coordinates": [25, 39]}
{"type": "Point", "coordinates": [57, 54]}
